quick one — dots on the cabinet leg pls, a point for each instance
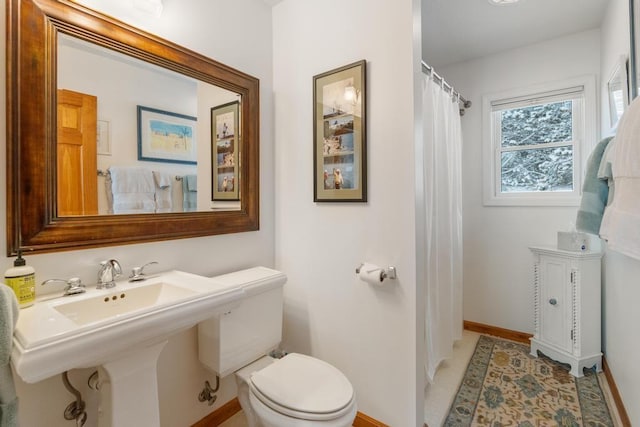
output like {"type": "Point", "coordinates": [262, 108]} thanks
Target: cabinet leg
{"type": "Point", "coordinates": [576, 370]}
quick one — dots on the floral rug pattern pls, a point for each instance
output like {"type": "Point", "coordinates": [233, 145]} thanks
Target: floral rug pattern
{"type": "Point", "coordinates": [505, 386]}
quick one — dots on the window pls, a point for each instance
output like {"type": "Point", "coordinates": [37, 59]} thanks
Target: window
{"type": "Point", "coordinates": [534, 144]}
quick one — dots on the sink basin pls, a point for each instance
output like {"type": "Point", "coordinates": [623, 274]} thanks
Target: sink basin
{"type": "Point", "coordinates": [101, 326]}
{"type": "Point", "coordinates": [122, 302]}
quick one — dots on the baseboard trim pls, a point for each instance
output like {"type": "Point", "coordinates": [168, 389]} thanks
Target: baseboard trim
{"type": "Point", "coordinates": [232, 407]}
{"type": "Point", "coordinates": [617, 399]}
{"type": "Point", "coordinates": [497, 332]}
{"type": "Point", "coordinates": [363, 420]}
{"type": "Point", "coordinates": [221, 414]}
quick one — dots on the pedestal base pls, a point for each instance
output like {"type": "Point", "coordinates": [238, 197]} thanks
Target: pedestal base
{"type": "Point", "coordinates": [130, 398]}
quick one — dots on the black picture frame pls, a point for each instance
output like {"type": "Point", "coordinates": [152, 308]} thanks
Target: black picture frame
{"type": "Point", "coordinates": [339, 134]}
{"type": "Point", "coordinates": [166, 137]}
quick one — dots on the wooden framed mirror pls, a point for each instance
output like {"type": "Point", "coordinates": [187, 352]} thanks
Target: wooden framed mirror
{"type": "Point", "coordinates": [34, 224]}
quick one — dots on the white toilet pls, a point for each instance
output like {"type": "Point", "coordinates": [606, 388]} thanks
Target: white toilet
{"type": "Point", "coordinates": [293, 391]}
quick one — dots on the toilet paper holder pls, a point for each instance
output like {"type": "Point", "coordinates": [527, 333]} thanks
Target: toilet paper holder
{"type": "Point", "coordinates": [385, 273]}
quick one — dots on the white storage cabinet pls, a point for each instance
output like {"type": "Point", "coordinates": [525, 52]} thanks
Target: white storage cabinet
{"type": "Point", "coordinates": [568, 307]}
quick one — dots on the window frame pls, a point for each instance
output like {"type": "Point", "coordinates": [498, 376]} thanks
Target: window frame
{"type": "Point", "coordinates": [583, 140]}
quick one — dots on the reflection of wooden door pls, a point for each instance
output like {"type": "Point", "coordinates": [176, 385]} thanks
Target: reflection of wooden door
{"type": "Point", "coordinates": [77, 158]}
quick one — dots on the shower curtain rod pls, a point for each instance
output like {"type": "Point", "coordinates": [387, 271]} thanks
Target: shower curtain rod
{"type": "Point", "coordinates": [463, 101]}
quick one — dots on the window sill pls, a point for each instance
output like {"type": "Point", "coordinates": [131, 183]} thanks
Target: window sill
{"type": "Point", "coordinates": [540, 200]}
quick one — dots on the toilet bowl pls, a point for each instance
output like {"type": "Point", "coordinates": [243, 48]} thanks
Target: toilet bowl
{"type": "Point", "coordinates": [293, 391]}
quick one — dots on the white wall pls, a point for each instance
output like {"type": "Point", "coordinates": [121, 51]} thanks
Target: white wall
{"type": "Point", "coordinates": [498, 280]}
{"type": "Point", "coordinates": [191, 24]}
{"type": "Point", "coordinates": [620, 273]}
{"type": "Point", "coordinates": [620, 329]}
{"type": "Point", "coordinates": [367, 332]}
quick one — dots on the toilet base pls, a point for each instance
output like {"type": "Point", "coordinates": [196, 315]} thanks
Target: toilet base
{"type": "Point", "coordinates": [268, 418]}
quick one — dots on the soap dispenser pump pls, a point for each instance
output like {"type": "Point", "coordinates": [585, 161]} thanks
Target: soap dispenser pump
{"type": "Point", "coordinates": [22, 279]}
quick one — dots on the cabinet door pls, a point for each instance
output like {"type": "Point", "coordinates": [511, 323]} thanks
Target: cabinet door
{"type": "Point", "coordinates": [555, 302]}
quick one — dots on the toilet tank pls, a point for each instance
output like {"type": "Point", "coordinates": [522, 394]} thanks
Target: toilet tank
{"type": "Point", "coordinates": [233, 339]}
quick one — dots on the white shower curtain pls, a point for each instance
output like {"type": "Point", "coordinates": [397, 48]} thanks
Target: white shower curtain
{"type": "Point", "coordinates": [443, 228]}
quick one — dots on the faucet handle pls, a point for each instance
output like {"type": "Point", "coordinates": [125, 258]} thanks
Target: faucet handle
{"type": "Point", "coordinates": [137, 273]}
{"type": "Point", "coordinates": [74, 285]}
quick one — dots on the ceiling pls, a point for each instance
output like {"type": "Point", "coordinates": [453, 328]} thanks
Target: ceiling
{"type": "Point", "coordinates": [458, 30]}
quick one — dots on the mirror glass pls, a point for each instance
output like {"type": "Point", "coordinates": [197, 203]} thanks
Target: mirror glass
{"type": "Point", "coordinates": [151, 145]}
{"type": "Point", "coordinates": [617, 92]}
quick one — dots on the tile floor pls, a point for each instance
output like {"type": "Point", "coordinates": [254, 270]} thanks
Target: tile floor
{"type": "Point", "coordinates": [440, 394]}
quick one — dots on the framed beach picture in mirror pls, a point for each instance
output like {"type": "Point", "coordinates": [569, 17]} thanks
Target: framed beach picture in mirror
{"type": "Point", "coordinates": [167, 137]}
{"type": "Point", "coordinates": [339, 134]}
{"type": "Point", "coordinates": [225, 145]}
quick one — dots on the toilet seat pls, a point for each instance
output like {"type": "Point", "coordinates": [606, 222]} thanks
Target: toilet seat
{"type": "Point", "coordinates": [303, 387]}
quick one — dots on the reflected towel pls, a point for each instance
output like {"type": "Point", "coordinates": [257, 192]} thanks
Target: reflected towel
{"type": "Point", "coordinates": [8, 317]}
{"type": "Point", "coordinates": [107, 184]}
{"type": "Point", "coordinates": [164, 201]}
{"type": "Point", "coordinates": [190, 192]}
{"type": "Point", "coordinates": [133, 190]}
{"type": "Point", "coordinates": [192, 182]}
{"type": "Point", "coordinates": [594, 193]}
{"type": "Point", "coordinates": [621, 220]}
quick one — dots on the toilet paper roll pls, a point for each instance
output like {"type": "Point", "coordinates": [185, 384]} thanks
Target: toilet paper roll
{"type": "Point", "coordinates": [371, 273]}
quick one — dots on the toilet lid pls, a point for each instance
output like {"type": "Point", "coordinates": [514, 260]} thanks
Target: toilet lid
{"type": "Point", "coordinates": [303, 384]}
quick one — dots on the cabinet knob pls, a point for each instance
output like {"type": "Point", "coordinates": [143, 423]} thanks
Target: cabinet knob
{"type": "Point", "coordinates": [553, 301]}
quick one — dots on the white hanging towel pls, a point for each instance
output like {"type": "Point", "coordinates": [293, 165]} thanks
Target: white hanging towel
{"type": "Point", "coordinates": [621, 220]}
{"type": "Point", "coordinates": [133, 190]}
{"type": "Point", "coordinates": [164, 202]}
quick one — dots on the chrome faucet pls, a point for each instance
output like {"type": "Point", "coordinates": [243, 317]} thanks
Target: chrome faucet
{"type": "Point", "coordinates": [109, 271]}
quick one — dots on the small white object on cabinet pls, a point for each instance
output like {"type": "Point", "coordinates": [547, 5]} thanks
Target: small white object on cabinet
{"type": "Point", "coordinates": [568, 308]}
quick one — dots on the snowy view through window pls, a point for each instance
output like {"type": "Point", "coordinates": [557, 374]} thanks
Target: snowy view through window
{"type": "Point", "coordinates": [537, 148]}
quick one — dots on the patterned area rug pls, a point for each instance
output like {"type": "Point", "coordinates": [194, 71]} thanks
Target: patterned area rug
{"type": "Point", "coordinates": [505, 386]}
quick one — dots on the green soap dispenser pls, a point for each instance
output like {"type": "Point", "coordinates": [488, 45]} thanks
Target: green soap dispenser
{"type": "Point", "coordinates": [22, 279]}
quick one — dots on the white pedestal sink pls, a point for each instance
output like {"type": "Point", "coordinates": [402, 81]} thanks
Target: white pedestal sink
{"type": "Point", "coordinates": [123, 330]}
